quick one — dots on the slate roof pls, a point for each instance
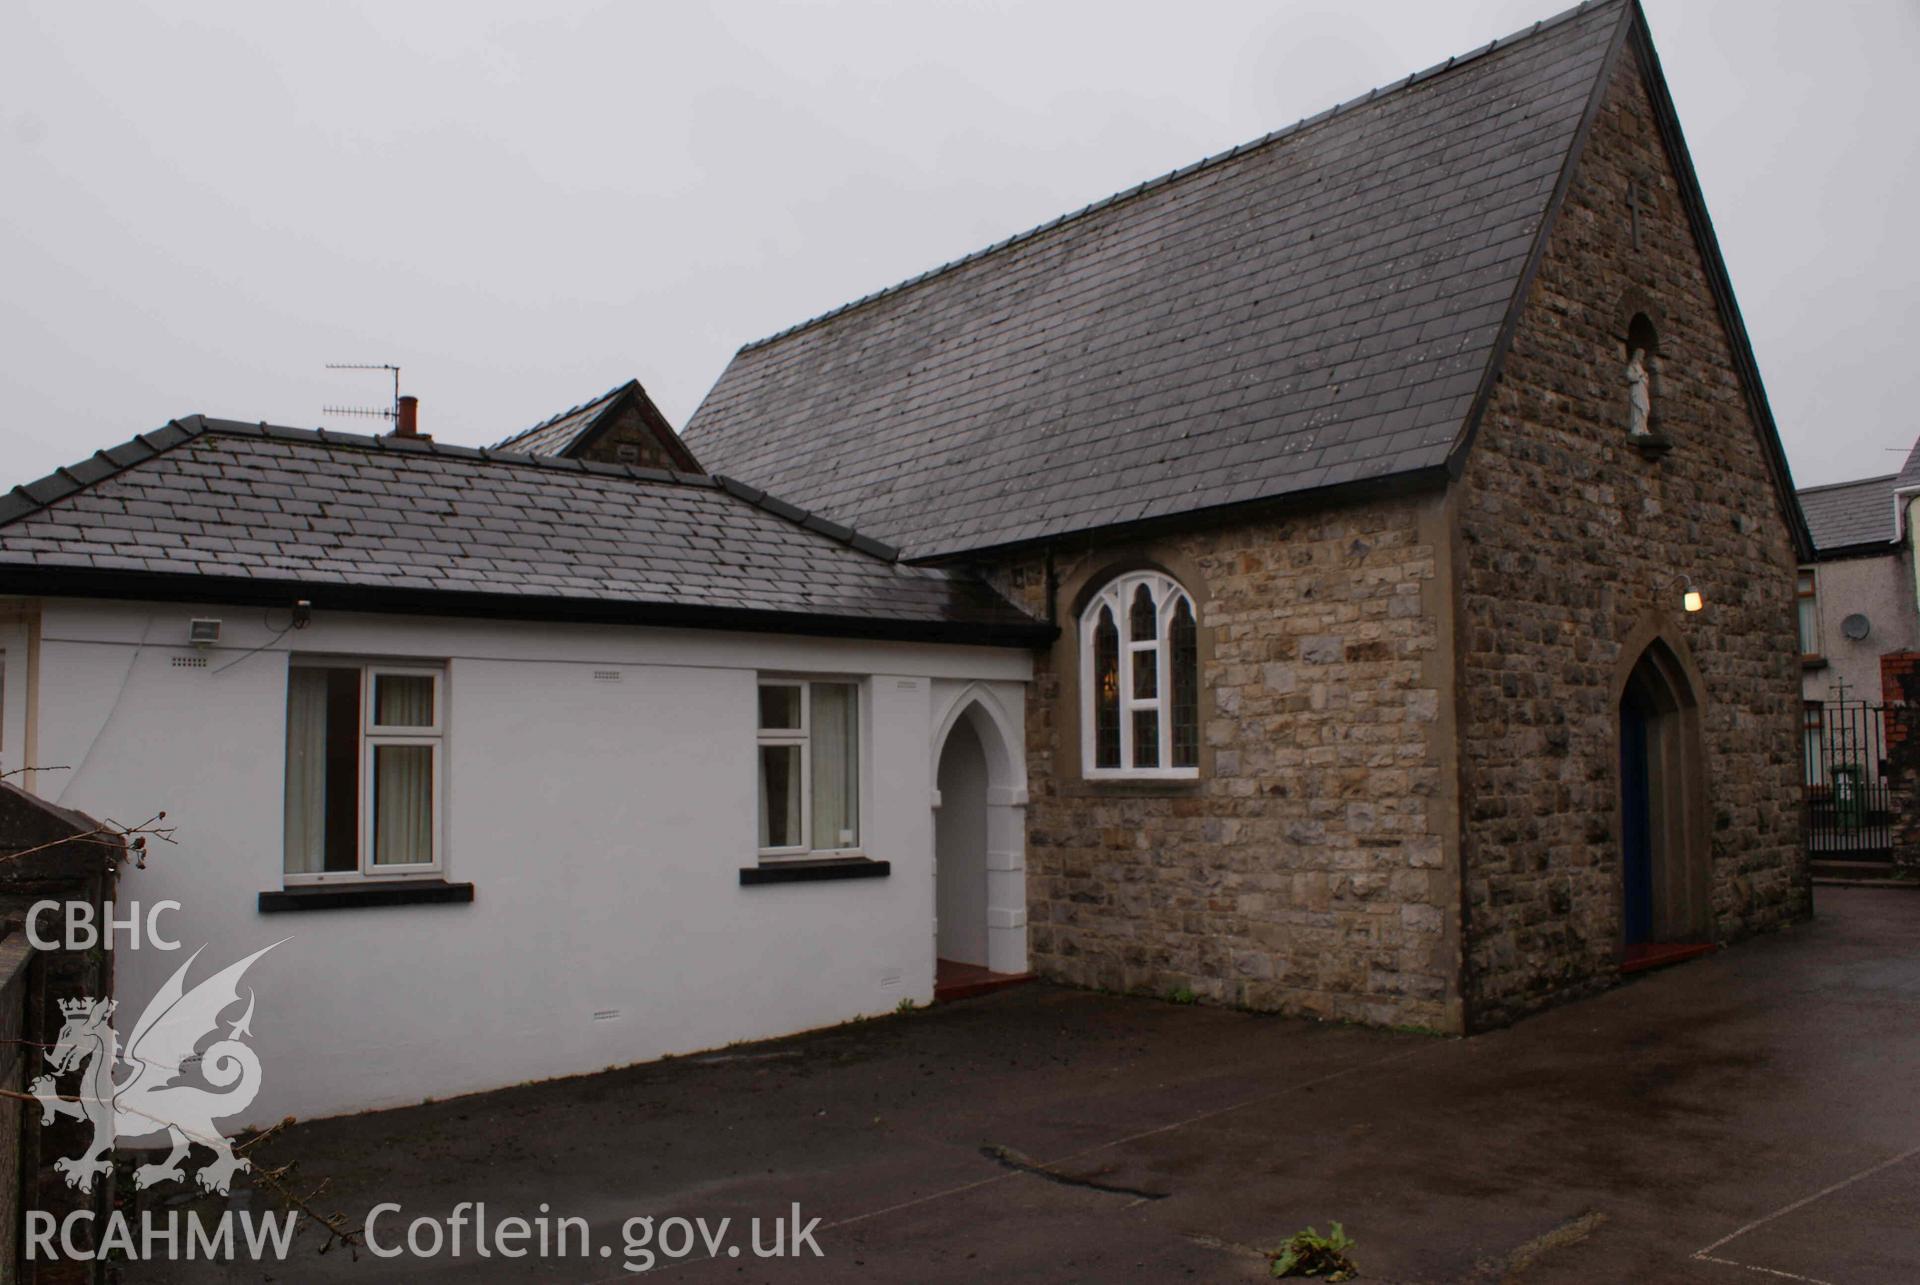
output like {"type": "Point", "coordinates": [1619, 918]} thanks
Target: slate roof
{"type": "Point", "coordinates": [1845, 514]}
{"type": "Point", "coordinates": [558, 435]}
{"type": "Point", "coordinates": [1910, 471]}
{"type": "Point", "coordinates": [1317, 307]}
{"type": "Point", "coordinates": [209, 508]}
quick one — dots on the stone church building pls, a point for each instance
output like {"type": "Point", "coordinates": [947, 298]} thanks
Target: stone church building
{"type": "Point", "coordinates": [1419, 539]}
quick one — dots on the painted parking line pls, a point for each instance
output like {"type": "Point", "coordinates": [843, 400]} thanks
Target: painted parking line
{"type": "Point", "coordinates": [1704, 1257]}
{"type": "Point", "coordinates": [1707, 1254]}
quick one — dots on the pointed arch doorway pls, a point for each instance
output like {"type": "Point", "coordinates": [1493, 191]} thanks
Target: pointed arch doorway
{"type": "Point", "coordinates": [979, 825]}
{"type": "Point", "coordinates": [1666, 874]}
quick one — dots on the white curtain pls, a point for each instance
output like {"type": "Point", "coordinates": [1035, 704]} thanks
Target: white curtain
{"type": "Point", "coordinates": [306, 804]}
{"type": "Point", "coordinates": [403, 700]}
{"type": "Point", "coordinates": [402, 804]}
{"type": "Point", "coordinates": [836, 766]}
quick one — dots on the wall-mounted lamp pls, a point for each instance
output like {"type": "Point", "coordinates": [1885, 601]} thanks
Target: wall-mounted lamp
{"type": "Point", "coordinates": [203, 631]}
{"type": "Point", "coordinates": [302, 613]}
{"type": "Point", "coordinates": [1691, 600]}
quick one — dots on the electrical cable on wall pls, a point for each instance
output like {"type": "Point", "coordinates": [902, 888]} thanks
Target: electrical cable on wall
{"type": "Point", "coordinates": [79, 768]}
{"type": "Point", "coordinates": [302, 616]}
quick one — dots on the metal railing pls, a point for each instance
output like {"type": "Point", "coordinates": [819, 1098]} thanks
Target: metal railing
{"type": "Point", "coordinates": [1849, 803]}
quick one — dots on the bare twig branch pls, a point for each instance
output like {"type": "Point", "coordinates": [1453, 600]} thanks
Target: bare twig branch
{"type": "Point", "coordinates": [20, 771]}
{"type": "Point", "coordinates": [112, 835]}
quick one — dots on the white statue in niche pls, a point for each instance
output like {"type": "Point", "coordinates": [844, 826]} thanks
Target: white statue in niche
{"type": "Point", "coordinates": [1639, 394]}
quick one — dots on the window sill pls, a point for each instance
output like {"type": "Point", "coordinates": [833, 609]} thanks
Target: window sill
{"type": "Point", "coordinates": [355, 896]}
{"type": "Point", "coordinates": [815, 871]}
{"type": "Point", "coordinates": [1142, 786]}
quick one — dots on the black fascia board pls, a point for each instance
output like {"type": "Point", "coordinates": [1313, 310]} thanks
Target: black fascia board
{"type": "Point", "coordinates": [86, 582]}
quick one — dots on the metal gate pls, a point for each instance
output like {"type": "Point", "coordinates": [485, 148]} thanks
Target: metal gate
{"type": "Point", "coordinates": [1849, 804]}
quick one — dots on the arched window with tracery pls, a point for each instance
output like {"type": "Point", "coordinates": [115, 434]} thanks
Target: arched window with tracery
{"type": "Point", "coordinates": [1140, 679]}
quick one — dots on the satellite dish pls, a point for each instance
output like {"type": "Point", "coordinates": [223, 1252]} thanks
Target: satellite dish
{"type": "Point", "coordinates": [1856, 626]}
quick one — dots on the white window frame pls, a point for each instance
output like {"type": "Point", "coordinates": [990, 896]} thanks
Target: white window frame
{"type": "Point", "coordinates": [1117, 596]}
{"type": "Point", "coordinates": [372, 735]}
{"type": "Point", "coordinates": [803, 737]}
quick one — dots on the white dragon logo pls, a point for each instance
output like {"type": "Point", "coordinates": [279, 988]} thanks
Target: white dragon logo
{"type": "Point", "coordinates": [153, 1099]}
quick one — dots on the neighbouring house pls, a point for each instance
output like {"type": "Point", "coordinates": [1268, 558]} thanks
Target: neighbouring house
{"type": "Point", "coordinates": [1353, 576]}
{"type": "Point", "coordinates": [1857, 599]}
{"type": "Point", "coordinates": [1860, 653]}
{"type": "Point", "coordinates": [542, 765]}
{"type": "Point", "coordinates": [1368, 469]}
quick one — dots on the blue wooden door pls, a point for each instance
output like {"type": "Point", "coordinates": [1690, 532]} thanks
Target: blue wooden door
{"type": "Point", "coordinates": [1636, 824]}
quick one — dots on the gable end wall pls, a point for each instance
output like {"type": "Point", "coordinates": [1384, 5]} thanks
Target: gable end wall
{"type": "Point", "coordinates": [628, 427]}
{"type": "Point", "coordinates": [1570, 540]}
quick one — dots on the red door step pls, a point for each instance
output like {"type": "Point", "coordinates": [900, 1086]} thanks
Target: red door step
{"type": "Point", "coordinates": [1658, 954]}
{"type": "Point", "coordinates": [953, 980]}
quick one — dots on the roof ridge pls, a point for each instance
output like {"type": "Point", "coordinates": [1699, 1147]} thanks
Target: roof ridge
{"type": "Point", "coordinates": [1858, 481]}
{"type": "Point", "coordinates": [1171, 176]}
{"type": "Point", "coordinates": [30, 497]}
{"type": "Point", "coordinates": [571, 410]}
{"type": "Point", "coordinates": [69, 480]}
{"type": "Point", "coordinates": [103, 464]}
{"type": "Point", "coordinates": [388, 444]}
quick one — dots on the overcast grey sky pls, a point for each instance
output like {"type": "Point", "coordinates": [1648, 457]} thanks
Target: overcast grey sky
{"type": "Point", "coordinates": [524, 205]}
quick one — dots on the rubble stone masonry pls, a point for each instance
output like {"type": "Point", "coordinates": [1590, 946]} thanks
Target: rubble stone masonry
{"type": "Point", "coordinates": [1571, 539]}
{"type": "Point", "coordinates": [1311, 868]}
{"type": "Point", "coordinates": [629, 439]}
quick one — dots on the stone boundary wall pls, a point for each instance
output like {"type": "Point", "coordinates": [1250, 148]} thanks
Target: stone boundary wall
{"type": "Point", "coordinates": [81, 864]}
{"type": "Point", "coordinates": [19, 997]}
